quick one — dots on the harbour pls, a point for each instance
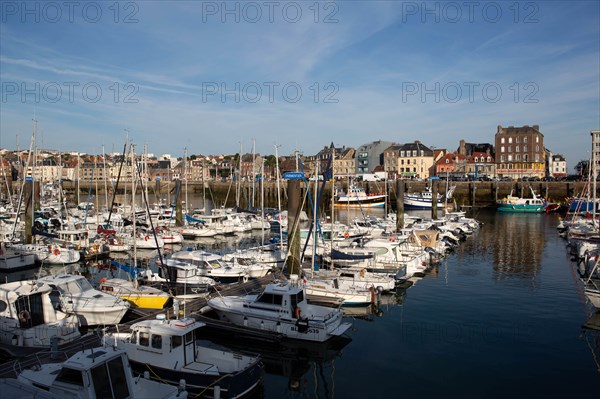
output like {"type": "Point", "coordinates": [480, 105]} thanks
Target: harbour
{"type": "Point", "coordinates": [506, 309]}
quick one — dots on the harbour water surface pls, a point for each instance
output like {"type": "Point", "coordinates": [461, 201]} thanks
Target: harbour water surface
{"type": "Point", "coordinates": [501, 317]}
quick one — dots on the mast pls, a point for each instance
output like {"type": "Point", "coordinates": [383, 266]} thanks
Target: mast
{"type": "Point", "coordinates": [186, 178]}
{"type": "Point", "coordinates": [78, 161]}
{"type": "Point", "coordinates": [104, 174]}
{"type": "Point", "coordinates": [278, 196]}
{"type": "Point", "coordinates": [262, 203]}
{"type": "Point", "coordinates": [253, 171]}
{"type": "Point", "coordinates": [332, 199]}
{"type": "Point", "coordinates": [315, 211]}
{"type": "Point", "coordinates": [238, 186]}
{"type": "Point", "coordinates": [134, 234]}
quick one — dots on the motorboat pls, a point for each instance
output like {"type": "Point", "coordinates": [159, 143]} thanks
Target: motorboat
{"type": "Point", "coordinates": [281, 308]}
{"type": "Point", "coordinates": [29, 319]}
{"type": "Point", "coordinates": [73, 294]}
{"type": "Point", "coordinates": [91, 373]}
{"type": "Point", "coordinates": [138, 295]}
{"type": "Point", "coordinates": [357, 197]}
{"type": "Point", "coordinates": [169, 351]}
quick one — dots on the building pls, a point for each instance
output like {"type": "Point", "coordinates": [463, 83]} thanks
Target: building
{"type": "Point", "coordinates": [369, 156]}
{"type": "Point", "coordinates": [520, 152]}
{"type": "Point", "coordinates": [596, 150]}
{"type": "Point", "coordinates": [558, 166]}
{"type": "Point", "coordinates": [390, 161]}
{"type": "Point", "coordinates": [469, 149]}
{"type": "Point", "coordinates": [480, 164]}
{"type": "Point", "coordinates": [415, 160]}
{"type": "Point", "coordinates": [451, 164]}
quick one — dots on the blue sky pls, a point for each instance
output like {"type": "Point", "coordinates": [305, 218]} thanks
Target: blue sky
{"type": "Point", "coordinates": [209, 75]}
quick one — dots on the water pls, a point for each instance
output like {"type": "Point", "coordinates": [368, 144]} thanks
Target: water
{"type": "Point", "coordinates": [499, 318]}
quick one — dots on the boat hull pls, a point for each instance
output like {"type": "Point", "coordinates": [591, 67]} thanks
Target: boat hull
{"type": "Point", "coordinates": [234, 385]}
{"type": "Point", "coordinates": [518, 208]}
{"type": "Point", "coordinates": [315, 331]}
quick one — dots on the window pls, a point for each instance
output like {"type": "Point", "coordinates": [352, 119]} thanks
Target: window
{"type": "Point", "coordinates": [518, 157]}
{"type": "Point", "coordinates": [524, 139]}
{"type": "Point", "coordinates": [70, 376]}
{"type": "Point", "coordinates": [157, 341]}
{"type": "Point", "coordinates": [517, 139]}
{"type": "Point", "coordinates": [414, 153]}
{"type": "Point", "coordinates": [537, 139]}
{"type": "Point", "coordinates": [476, 159]}
{"type": "Point", "coordinates": [509, 140]}
{"type": "Point", "coordinates": [176, 341]}
{"type": "Point", "coordinates": [489, 159]}
{"type": "Point", "coordinates": [502, 149]}
{"type": "Point", "coordinates": [510, 158]}
{"type": "Point", "coordinates": [516, 148]}
{"type": "Point", "coordinates": [422, 153]}
{"type": "Point", "coordinates": [525, 157]}
{"type": "Point", "coordinates": [509, 148]}
{"type": "Point", "coordinates": [537, 147]}
{"type": "Point", "coordinates": [524, 148]}
{"type": "Point", "coordinates": [144, 339]}
{"type": "Point", "coordinates": [402, 153]}
{"type": "Point", "coordinates": [447, 160]}
{"type": "Point", "coordinates": [502, 140]}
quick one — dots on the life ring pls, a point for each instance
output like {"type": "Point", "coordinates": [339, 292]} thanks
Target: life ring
{"type": "Point", "coordinates": [23, 316]}
{"type": "Point", "coordinates": [297, 312]}
{"type": "Point", "coordinates": [56, 251]}
{"type": "Point", "coordinates": [146, 238]}
{"type": "Point", "coordinates": [346, 235]}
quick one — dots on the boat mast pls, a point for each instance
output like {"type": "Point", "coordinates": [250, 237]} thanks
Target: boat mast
{"type": "Point", "coordinates": [134, 234]}
{"type": "Point", "coordinates": [315, 212]}
{"type": "Point", "coordinates": [104, 174]}
{"type": "Point", "coordinates": [253, 171]}
{"type": "Point", "coordinates": [24, 179]}
{"type": "Point", "coordinates": [332, 200]}
{"type": "Point", "coordinates": [262, 203]}
{"type": "Point", "coordinates": [278, 196]}
{"type": "Point", "coordinates": [186, 178]}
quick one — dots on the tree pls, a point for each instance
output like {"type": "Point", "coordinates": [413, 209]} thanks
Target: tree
{"type": "Point", "coordinates": [582, 168]}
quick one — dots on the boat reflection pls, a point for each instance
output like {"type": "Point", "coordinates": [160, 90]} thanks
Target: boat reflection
{"type": "Point", "coordinates": [292, 359]}
{"type": "Point", "coordinates": [590, 332]}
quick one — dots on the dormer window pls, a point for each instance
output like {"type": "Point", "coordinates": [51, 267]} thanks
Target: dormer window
{"type": "Point", "coordinates": [476, 159]}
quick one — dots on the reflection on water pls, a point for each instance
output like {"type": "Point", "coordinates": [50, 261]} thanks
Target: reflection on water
{"type": "Point", "coordinates": [514, 243]}
{"type": "Point", "coordinates": [307, 367]}
{"type": "Point", "coordinates": [590, 333]}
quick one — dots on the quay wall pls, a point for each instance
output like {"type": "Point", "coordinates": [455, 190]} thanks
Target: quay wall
{"type": "Point", "coordinates": [479, 194]}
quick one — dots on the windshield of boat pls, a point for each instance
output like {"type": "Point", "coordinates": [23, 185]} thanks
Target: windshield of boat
{"type": "Point", "coordinates": [214, 263]}
{"type": "Point", "coordinates": [110, 380]}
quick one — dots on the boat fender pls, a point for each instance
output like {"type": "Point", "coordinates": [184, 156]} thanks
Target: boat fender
{"type": "Point", "coordinates": [146, 238]}
{"type": "Point", "coordinates": [56, 251]}
{"type": "Point", "coordinates": [297, 313]}
{"type": "Point", "coordinates": [346, 235]}
{"type": "Point", "coordinates": [23, 316]}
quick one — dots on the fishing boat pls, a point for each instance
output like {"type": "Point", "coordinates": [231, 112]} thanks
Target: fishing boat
{"type": "Point", "coordinates": [73, 294]}
{"type": "Point", "coordinates": [357, 197]}
{"type": "Point", "coordinates": [91, 373]}
{"type": "Point", "coordinates": [424, 199]}
{"type": "Point", "coordinates": [169, 351]}
{"type": "Point", "coordinates": [512, 203]}
{"type": "Point", "coordinates": [281, 308]}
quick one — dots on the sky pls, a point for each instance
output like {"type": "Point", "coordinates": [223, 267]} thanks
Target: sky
{"type": "Point", "coordinates": [214, 76]}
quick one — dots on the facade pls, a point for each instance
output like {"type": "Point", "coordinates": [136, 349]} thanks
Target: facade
{"type": "Point", "coordinates": [390, 161]}
{"type": "Point", "coordinates": [369, 156]}
{"type": "Point", "coordinates": [415, 160]}
{"type": "Point", "coordinates": [595, 150]}
{"type": "Point", "coordinates": [451, 164]}
{"type": "Point", "coordinates": [520, 152]}
{"type": "Point", "coordinates": [480, 164]}
{"type": "Point", "coordinates": [558, 166]}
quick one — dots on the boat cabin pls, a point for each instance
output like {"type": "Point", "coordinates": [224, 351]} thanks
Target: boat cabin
{"type": "Point", "coordinates": [172, 340]}
{"type": "Point", "coordinates": [283, 298]}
